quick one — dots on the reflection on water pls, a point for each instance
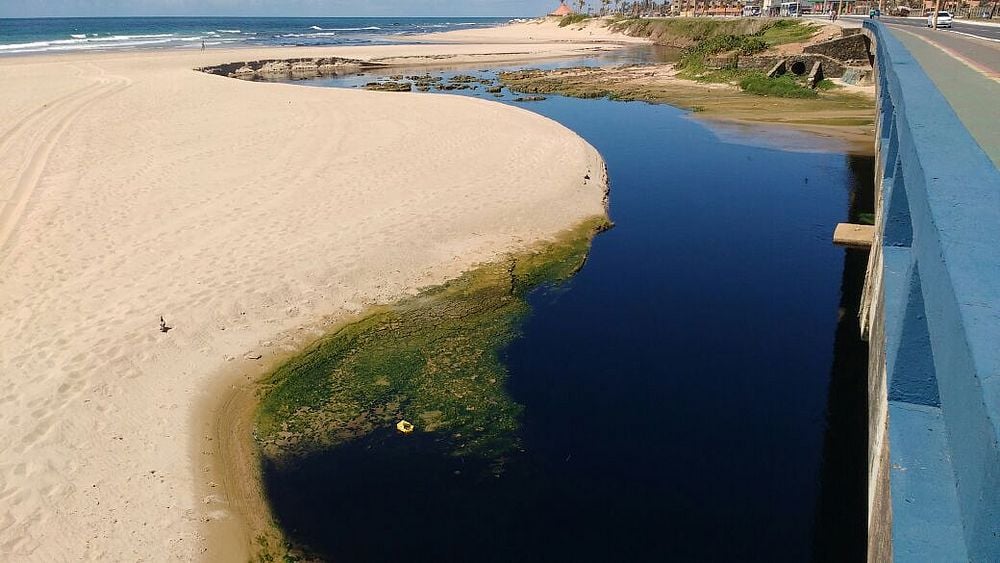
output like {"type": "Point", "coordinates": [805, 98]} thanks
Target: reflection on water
{"type": "Point", "coordinates": [840, 529]}
{"type": "Point", "coordinates": [775, 136]}
{"type": "Point", "coordinates": [682, 397]}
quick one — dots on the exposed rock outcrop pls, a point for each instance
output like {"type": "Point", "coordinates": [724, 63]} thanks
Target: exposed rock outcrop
{"type": "Point", "coordinates": [390, 86]}
{"type": "Point", "coordinates": [275, 69]}
{"type": "Point", "coordinates": [852, 50]}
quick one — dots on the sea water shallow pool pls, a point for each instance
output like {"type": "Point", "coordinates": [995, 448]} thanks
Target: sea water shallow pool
{"type": "Point", "coordinates": [687, 395]}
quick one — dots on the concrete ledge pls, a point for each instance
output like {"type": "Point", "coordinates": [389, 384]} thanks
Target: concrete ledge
{"type": "Point", "coordinates": [856, 236]}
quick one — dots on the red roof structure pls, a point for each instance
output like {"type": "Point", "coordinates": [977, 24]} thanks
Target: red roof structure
{"type": "Point", "coordinates": [562, 10]}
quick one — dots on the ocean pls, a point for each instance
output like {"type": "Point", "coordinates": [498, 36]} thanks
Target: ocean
{"type": "Point", "coordinates": [38, 35]}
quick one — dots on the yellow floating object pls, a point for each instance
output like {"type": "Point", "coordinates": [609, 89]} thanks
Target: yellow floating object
{"type": "Point", "coordinates": [404, 427]}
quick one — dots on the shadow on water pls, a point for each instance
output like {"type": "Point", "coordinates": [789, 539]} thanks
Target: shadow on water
{"type": "Point", "coordinates": [388, 498]}
{"type": "Point", "coordinates": [691, 394]}
{"type": "Point", "coordinates": [384, 497]}
{"type": "Point", "coordinates": [841, 532]}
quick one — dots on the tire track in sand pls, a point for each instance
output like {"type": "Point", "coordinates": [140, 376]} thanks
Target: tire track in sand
{"type": "Point", "coordinates": [6, 136]}
{"type": "Point", "coordinates": [40, 132]}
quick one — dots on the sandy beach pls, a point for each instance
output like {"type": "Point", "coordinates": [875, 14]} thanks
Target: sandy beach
{"type": "Point", "coordinates": [250, 216]}
{"type": "Point", "coordinates": [539, 30]}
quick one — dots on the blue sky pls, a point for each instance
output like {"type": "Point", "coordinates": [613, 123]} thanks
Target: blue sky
{"type": "Point", "coordinates": [43, 8]}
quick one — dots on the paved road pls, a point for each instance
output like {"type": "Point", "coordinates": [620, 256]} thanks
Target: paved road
{"type": "Point", "coordinates": [983, 55]}
{"type": "Point", "coordinates": [965, 69]}
{"type": "Point", "coordinates": [972, 89]}
{"type": "Point", "coordinates": [984, 31]}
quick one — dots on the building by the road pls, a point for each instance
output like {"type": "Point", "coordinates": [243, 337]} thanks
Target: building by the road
{"type": "Point", "coordinates": [562, 10]}
{"type": "Point", "coordinates": [839, 6]}
{"type": "Point", "coordinates": [706, 7]}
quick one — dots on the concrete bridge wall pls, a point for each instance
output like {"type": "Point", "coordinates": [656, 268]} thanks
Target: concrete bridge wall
{"type": "Point", "coordinates": [931, 313]}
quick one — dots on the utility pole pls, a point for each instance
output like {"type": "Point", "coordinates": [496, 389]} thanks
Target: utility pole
{"type": "Point", "coordinates": [937, 8]}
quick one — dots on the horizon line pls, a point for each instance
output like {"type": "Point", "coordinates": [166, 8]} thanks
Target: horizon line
{"type": "Point", "coordinates": [256, 16]}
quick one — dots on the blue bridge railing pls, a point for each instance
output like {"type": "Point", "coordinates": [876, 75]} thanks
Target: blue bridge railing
{"type": "Point", "coordinates": [932, 317]}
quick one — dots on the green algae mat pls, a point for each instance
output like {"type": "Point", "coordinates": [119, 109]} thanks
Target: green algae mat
{"type": "Point", "coordinates": [432, 360]}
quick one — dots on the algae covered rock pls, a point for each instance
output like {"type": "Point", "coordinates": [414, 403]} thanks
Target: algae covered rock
{"type": "Point", "coordinates": [432, 359]}
{"type": "Point", "coordinates": [389, 86]}
{"type": "Point", "coordinates": [244, 72]}
{"type": "Point", "coordinates": [275, 68]}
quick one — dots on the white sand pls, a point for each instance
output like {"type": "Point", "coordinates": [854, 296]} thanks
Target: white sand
{"type": "Point", "coordinates": [246, 214]}
{"type": "Point", "coordinates": [540, 30]}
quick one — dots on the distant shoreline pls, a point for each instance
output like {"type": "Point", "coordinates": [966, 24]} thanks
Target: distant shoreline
{"type": "Point", "coordinates": [62, 35]}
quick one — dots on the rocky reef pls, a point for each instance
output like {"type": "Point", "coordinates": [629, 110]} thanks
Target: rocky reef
{"type": "Point", "coordinates": [390, 86]}
{"type": "Point", "coordinates": [278, 69]}
{"type": "Point", "coordinates": [427, 82]}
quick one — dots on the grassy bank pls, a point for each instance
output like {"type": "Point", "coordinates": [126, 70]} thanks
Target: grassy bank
{"type": "Point", "coordinates": [685, 32]}
{"type": "Point", "coordinates": [712, 47]}
{"type": "Point", "coordinates": [573, 19]}
{"type": "Point", "coordinates": [431, 360]}
{"type": "Point", "coordinates": [660, 84]}
{"type": "Point", "coordinates": [839, 114]}
{"type": "Point", "coordinates": [709, 78]}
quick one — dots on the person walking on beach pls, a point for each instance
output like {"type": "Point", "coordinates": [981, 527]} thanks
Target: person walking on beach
{"type": "Point", "coordinates": [202, 45]}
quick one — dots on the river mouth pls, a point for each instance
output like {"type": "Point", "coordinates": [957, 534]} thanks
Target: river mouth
{"type": "Point", "coordinates": [675, 399]}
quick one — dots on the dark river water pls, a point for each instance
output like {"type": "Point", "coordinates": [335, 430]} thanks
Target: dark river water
{"type": "Point", "coordinates": [694, 393]}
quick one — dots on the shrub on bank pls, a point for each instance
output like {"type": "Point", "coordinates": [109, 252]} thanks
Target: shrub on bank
{"type": "Point", "coordinates": [572, 19]}
{"type": "Point", "coordinates": [693, 57]}
{"type": "Point", "coordinates": [780, 87]}
{"type": "Point", "coordinates": [681, 32]}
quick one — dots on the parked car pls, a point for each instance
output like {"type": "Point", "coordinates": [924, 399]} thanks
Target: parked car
{"type": "Point", "coordinates": [943, 19]}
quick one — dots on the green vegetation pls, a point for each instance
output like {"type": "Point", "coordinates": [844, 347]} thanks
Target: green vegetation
{"type": "Point", "coordinates": [780, 32]}
{"type": "Point", "coordinates": [655, 84]}
{"type": "Point", "coordinates": [272, 550]}
{"type": "Point", "coordinates": [781, 86]}
{"type": "Point", "coordinates": [715, 47]}
{"type": "Point", "coordinates": [826, 85]}
{"type": "Point", "coordinates": [712, 48]}
{"type": "Point", "coordinates": [692, 60]}
{"type": "Point", "coordinates": [573, 19]}
{"type": "Point", "coordinates": [431, 360]}
{"type": "Point", "coordinates": [683, 32]}
{"type": "Point", "coordinates": [534, 81]}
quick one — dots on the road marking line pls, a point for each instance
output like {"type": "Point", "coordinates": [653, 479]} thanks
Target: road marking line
{"type": "Point", "coordinates": [975, 36]}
